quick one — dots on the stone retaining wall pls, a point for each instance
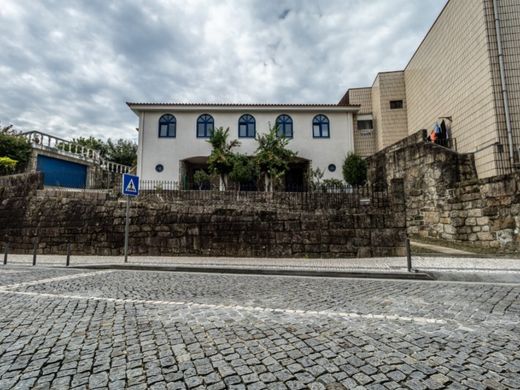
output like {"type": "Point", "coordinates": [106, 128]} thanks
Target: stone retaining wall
{"type": "Point", "coordinates": [444, 198]}
{"type": "Point", "coordinates": [93, 222]}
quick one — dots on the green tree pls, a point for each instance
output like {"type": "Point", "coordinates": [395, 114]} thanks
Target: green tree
{"type": "Point", "coordinates": [93, 143]}
{"type": "Point", "coordinates": [272, 157]}
{"type": "Point", "coordinates": [243, 171]}
{"type": "Point", "coordinates": [221, 159]}
{"type": "Point", "coordinates": [122, 151]}
{"type": "Point", "coordinates": [355, 170]}
{"type": "Point", "coordinates": [15, 148]}
{"type": "Point", "coordinates": [200, 178]}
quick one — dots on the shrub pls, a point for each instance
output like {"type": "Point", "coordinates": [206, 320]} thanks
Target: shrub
{"type": "Point", "coordinates": [200, 178]}
{"type": "Point", "coordinates": [244, 170]}
{"type": "Point", "coordinates": [16, 148]}
{"type": "Point", "coordinates": [355, 170]}
{"type": "Point", "coordinates": [316, 176]}
{"type": "Point", "coordinates": [333, 183]}
{"type": "Point", "coordinates": [7, 166]}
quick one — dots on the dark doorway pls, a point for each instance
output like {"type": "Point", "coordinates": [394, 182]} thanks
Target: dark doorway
{"type": "Point", "coordinates": [295, 179]}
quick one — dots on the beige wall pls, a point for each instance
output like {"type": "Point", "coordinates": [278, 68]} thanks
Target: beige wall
{"type": "Point", "coordinates": [376, 113]}
{"type": "Point", "coordinates": [450, 75]}
{"type": "Point", "coordinates": [454, 73]}
{"type": "Point", "coordinates": [389, 86]}
{"type": "Point", "coordinates": [509, 13]}
{"type": "Point", "coordinates": [364, 141]}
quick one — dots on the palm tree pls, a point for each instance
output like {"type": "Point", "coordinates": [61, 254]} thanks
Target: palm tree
{"type": "Point", "coordinates": [221, 159]}
{"type": "Point", "coordinates": [272, 157]}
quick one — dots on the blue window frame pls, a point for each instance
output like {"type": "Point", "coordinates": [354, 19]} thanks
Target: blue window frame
{"type": "Point", "coordinates": [320, 127]}
{"type": "Point", "coordinates": [284, 124]}
{"type": "Point", "coordinates": [167, 126]}
{"type": "Point", "coordinates": [205, 126]}
{"type": "Point", "coordinates": [246, 126]}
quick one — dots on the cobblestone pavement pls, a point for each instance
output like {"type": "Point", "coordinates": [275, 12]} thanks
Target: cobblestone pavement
{"type": "Point", "coordinates": [85, 329]}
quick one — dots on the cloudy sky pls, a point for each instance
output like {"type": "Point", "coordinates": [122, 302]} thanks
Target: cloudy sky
{"type": "Point", "coordinates": [68, 66]}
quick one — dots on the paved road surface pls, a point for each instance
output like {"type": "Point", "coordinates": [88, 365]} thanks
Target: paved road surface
{"type": "Point", "coordinates": [135, 329]}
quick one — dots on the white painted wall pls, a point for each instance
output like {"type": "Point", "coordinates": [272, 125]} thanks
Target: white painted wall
{"type": "Point", "coordinates": [170, 151]}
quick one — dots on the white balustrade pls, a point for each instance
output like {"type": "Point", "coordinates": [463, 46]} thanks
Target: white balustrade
{"type": "Point", "coordinates": [63, 146]}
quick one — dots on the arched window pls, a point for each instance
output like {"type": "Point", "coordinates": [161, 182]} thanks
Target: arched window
{"type": "Point", "coordinates": [205, 126]}
{"type": "Point", "coordinates": [284, 125]}
{"type": "Point", "coordinates": [167, 126]}
{"type": "Point", "coordinates": [246, 126]}
{"type": "Point", "coordinates": [320, 127]}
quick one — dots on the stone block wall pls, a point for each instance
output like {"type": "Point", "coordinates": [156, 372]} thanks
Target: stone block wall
{"type": "Point", "coordinates": [93, 222]}
{"type": "Point", "coordinates": [14, 192]}
{"type": "Point", "coordinates": [444, 198]}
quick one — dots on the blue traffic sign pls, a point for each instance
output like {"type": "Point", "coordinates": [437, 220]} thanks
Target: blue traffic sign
{"type": "Point", "coordinates": [130, 185]}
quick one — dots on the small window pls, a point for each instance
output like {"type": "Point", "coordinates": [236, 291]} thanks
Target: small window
{"type": "Point", "coordinates": [396, 104]}
{"type": "Point", "coordinates": [320, 127]}
{"type": "Point", "coordinates": [205, 126]}
{"type": "Point", "coordinates": [365, 125]}
{"type": "Point", "coordinates": [167, 126]}
{"type": "Point", "coordinates": [247, 126]}
{"type": "Point", "coordinates": [159, 168]}
{"type": "Point", "coordinates": [332, 168]}
{"type": "Point", "coordinates": [284, 124]}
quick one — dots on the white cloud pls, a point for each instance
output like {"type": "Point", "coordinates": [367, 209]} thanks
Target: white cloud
{"type": "Point", "coordinates": [67, 67]}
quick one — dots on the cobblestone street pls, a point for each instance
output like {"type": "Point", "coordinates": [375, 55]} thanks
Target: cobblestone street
{"type": "Point", "coordinates": [65, 328]}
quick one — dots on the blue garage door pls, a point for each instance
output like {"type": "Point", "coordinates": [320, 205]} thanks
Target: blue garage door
{"type": "Point", "coordinates": [62, 173]}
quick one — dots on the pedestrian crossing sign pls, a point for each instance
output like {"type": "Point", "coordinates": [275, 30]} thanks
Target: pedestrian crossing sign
{"type": "Point", "coordinates": [130, 185]}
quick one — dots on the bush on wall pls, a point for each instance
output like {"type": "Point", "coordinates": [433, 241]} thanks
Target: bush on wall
{"type": "Point", "coordinates": [7, 166]}
{"type": "Point", "coordinates": [15, 148]}
{"type": "Point", "coordinates": [355, 170]}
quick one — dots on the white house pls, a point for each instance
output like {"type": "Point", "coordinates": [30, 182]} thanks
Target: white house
{"type": "Point", "coordinates": [173, 137]}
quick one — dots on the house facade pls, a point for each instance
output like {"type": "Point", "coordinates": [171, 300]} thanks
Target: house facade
{"type": "Point", "coordinates": [173, 137]}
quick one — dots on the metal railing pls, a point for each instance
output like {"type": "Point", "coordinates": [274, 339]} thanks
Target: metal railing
{"type": "Point", "coordinates": [308, 197]}
{"type": "Point", "coordinates": [68, 148]}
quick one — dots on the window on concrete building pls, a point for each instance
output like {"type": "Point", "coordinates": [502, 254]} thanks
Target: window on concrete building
{"type": "Point", "coordinates": [247, 126]}
{"type": "Point", "coordinates": [320, 127]}
{"type": "Point", "coordinates": [396, 104]}
{"type": "Point", "coordinates": [284, 124]}
{"type": "Point", "coordinates": [365, 124]}
{"type": "Point", "coordinates": [205, 126]}
{"type": "Point", "coordinates": [167, 126]}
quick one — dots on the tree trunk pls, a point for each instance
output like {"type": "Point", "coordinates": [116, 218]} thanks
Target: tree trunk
{"type": "Point", "coordinates": [266, 183]}
{"type": "Point", "coordinates": [222, 183]}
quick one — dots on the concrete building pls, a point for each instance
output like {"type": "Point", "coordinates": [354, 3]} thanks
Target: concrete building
{"type": "Point", "coordinates": [173, 137]}
{"type": "Point", "coordinates": [466, 70]}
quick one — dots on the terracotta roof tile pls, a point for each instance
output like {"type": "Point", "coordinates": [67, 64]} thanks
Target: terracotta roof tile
{"type": "Point", "coordinates": [185, 104]}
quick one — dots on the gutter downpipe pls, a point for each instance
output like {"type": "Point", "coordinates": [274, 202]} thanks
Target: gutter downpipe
{"type": "Point", "coordinates": [505, 94]}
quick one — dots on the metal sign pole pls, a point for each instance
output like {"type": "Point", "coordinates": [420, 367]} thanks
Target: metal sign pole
{"type": "Point", "coordinates": [6, 252]}
{"type": "Point", "coordinates": [127, 225]}
{"type": "Point", "coordinates": [408, 256]}
{"type": "Point", "coordinates": [130, 187]}
{"type": "Point", "coordinates": [68, 254]}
